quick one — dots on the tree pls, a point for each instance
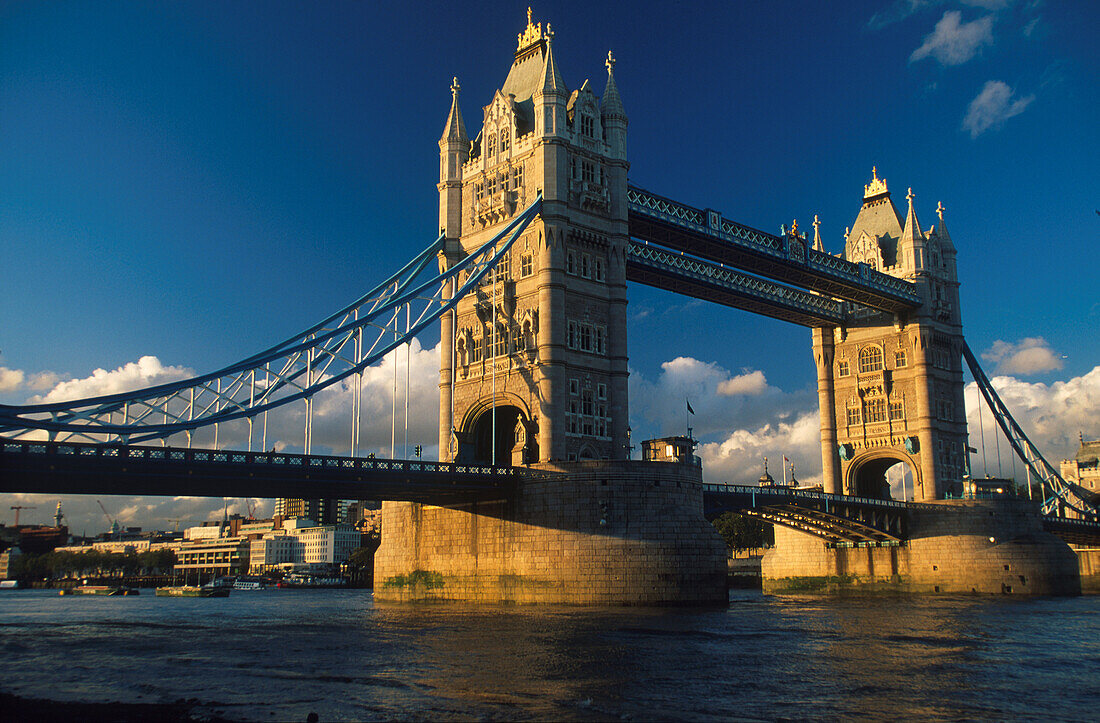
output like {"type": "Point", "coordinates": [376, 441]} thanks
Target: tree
{"type": "Point", "coordinates": [742, 532]}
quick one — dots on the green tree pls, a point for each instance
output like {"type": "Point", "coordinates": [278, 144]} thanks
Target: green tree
{"type": "Point", "coordinates": [742, 532]}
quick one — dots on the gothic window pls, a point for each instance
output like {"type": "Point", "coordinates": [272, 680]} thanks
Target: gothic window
{"type": "Point", "coordinates": [870, 359]}
{"type": "Point", "coordinates": [517, 177]}
{"type": "Point", "coordinates": [601, 391]}
{"type": "Point", "coordinates": [492, 185]}
{"type": "Point", "coordinates": [586, 338]}
{"type": "Point", "coordinates": [518, 339]}
{"type": "Point", "coordinates": [876, 410]}
{"type": "Point", "coordinates": [492, 147]}
{"type": "Point", "coordinates": [479, 191]}
{"type": "Point", "coordinates": [572, 335]}
{"type": "Point", "coordinates": [900, 359]}
{"type": "Point", "coordinates": [587, 404]}
{"type": "Point", "coordinates": [897, 410]}
{"type": "Point", "coordinates": [597, 269]}
{"type": "Point", "coordinates": [571, 263]}
{"type": "Point", "coordinates": [601, 340]}
{"type": "Point", "coordinates": [586, 262]}
{"type": "Point", "coordinates": [478, 350]}
{"type": "Point", "coordinates": [573, 168]}
{"type": "Point", "coordinates": [588, 171]}
{"type": "Point", "coordinates": [526, 266]}
{"type": "Point", "coordinates": [853, 415]}
{"type": "Point", "coordinates": [574, 387]}
{"type": "Point", "coordinates": [500, 343]}
{"type": "Point", "coordinates": [503, 270]}
{"type": "Point", "coordinates": [504, 141]}
{"type": "Point", "coordinates": [586, 126]}
{"type": "Point", "coordinates": [842, 368]}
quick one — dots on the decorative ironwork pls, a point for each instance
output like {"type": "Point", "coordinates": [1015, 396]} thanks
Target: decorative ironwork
{"type": "Point", "coordinates": [810, 306]}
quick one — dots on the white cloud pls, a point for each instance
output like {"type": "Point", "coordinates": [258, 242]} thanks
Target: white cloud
{"type": "Point", "coordinates": [145, 372]}
{"type": "Point", "coordinates": [953, 42]}
{"type": "Point", "coordinates": [739, 457]}
{"type": "Point", "coordinates": [10, 379]}
{"type": "Point", "coordinates": [1051, 416]}
{"type": "Point", "coordinates": [897, 12]}
{"type": "Point", "coordinates": [1027, 356]}
{"type": "Point", "coordinates": [749, 383]}
{"type": "Point", "coordinates": [992, 107]}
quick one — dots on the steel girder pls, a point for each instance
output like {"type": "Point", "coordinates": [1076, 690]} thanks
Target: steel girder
{"type": "Point", "coordinates": [835, 518]}
{"type": "Point", "coordinates": [341, 346]}
{"type": "Point", "coordinates": [1063, 494]}
{"type": "Point", "coordinates": [1075, 532]}
{"type": "Point", "coordinates": [664, 269]}
{"type": "Point", "coordinates": [705, 234]}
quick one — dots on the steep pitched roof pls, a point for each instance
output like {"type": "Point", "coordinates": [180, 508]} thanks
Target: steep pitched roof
{"type": "Point", "coordinates": [455, 129]}
{"type": "Point", "coordinates": [941, 231]}
{"type": "Point", "coordinates": [551, 81]}
{"type": "Point", "coordinates": [912, 230]}
{"type": "Point", "coordinates": [611, 104]}
{"type": "Point", "coordinates": [878, 218]}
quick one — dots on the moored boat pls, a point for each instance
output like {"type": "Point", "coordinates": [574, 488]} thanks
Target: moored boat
{"type": "Point", "coordinates": [192, 591]}
{"type": "Point", "coordinates": [109, 590]}
{"type": "Point", "coordinates": [300, 581]}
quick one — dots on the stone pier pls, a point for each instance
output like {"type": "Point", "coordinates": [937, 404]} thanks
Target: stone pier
{"type": "Point", "coordinates": [965, 546]}
{"type": "Point", "coordinates": [585, 533]}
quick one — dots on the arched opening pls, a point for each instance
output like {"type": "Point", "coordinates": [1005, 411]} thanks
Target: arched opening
{"type": "Point", "coordinates": [508, 436]}
{"type": "Point", "coordinates": [886, 478]}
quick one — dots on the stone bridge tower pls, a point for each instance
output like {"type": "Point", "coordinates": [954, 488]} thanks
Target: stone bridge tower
{"type": "Point", "coordinates": [533, 365]}
{"type": "Point", "coordinates": [891, 386]}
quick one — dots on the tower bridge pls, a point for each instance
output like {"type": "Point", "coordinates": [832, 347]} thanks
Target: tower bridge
{"type": "Point", "coordinates": [540, 231]}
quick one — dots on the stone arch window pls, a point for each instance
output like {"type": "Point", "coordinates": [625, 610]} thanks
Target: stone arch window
{"type": "Point", "coordinates": [876, 410]}
{"type": "Point", "coordinates": [870, 359]}
{"type": "Point", "coordinates": [504, 140]}
{"type": "Point", "coordinates": [853, 412]}
{"type": "Point", "coordinates": [842, 368]}
{"type": "Point", "coordinates": [587, 126]}
{"type": "Point", "coordinates": [492, 147]}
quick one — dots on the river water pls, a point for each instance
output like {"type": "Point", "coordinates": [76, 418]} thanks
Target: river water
{"type": "Point", "coordinates": [282, 654]}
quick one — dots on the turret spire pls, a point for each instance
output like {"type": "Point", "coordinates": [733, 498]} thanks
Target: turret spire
{"type": "Point", "coordinates": [455, 129]}
{"type": "Point", "coordinates": [611, 104]}
{"type": "Point", "coordinates": [551, 81]}
{"type": "Point", "coordinates": [818, 245]}
{"type": "Point", "coordinates": [941, 231]}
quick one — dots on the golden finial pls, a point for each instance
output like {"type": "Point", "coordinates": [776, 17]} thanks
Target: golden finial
{"type": "Point", "coordinates": [876, 187]}
{"type": "Point", "coordinates": [939, 210]}
{"type": "Point", "coordinates": [816, 222]}
{"type": "Point", "coordinates": [532, 33]}
{"type": "Point", "coordinates": [455, 87]}
{"type": "Point", "coordinates": [794, 227]}
{"type": "Point", "coordinates": [910, 196]}
{"type": "Point", "coordinates": [528, 14]}
{"type": "Point", "coordinates": [610, 62]}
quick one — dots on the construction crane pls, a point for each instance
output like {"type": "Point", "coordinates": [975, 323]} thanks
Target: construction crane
{"type": "Point", "coordinates": [110, 520]}
{"type": "Point", "coordinates": [21, 507]}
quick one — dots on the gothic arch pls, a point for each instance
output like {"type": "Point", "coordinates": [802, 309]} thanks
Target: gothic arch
{"type": "Point", "coordinates": [865, 476]}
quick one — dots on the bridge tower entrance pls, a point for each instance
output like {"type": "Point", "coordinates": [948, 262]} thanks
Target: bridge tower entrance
{"type": "Point", "coordinates": [548, 325]}
{"type": "Point", "coordinates": [890, 386]}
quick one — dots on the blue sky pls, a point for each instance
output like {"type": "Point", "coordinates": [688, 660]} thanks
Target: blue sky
{"type": "Point", "coordinates": [195, 181]}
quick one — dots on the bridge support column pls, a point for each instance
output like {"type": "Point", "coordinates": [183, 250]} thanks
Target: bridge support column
{"type": "Point", "coordinates": [446, 373]}
{"type": "Point", "coordinates": [929, 478]}
{"type": "Point", "coordinates": [826, 399]}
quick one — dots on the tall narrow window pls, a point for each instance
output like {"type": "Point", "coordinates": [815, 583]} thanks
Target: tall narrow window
{"type": "Point", "coordinates": [900, 359]}
{"type": "Point", "coordinates": [526, 266]}
{"type": "Point", "coordinates": [842, 368]}
{"type": "Point", "coordinates": [597, 269]}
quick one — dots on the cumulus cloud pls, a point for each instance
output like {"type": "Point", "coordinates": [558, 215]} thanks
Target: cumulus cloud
{"type": "Point", "coordinates": [954, 42]}
{"type": "Point", "coordinates": [749, 383]}
{"type": "Point", "coordinates": [1051, 415]}
{"type": "Point", "coordinates": [145, 372]}
{"type": "Point", "coordinates": [10, 379]}
{"type": "Point", "coordinates": [992, 107]}
{"type": "Point", "coordinates": [739, 457]}
{"type": "Point", "coordinates": [1027, 356]}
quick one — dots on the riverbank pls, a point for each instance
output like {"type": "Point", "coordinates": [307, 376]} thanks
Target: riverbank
{"type": "Point", "coordinates": [51, 711]}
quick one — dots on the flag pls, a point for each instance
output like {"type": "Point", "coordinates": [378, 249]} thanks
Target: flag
{"type": "Point", "coordinates": [692, 411]}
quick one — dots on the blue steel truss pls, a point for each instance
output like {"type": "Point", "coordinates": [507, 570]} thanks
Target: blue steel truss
{"type": "Point", "coordinates": [655, 266]}
{"type": "Point", "coordinates": [1062, 494]}
{"type": "Point", "coordinates": [706, 234]}
{"type": "Point", "coordinates": [341, 346]}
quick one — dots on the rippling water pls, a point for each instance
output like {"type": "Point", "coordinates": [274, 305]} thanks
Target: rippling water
{"type": "Point", "coordinates": [279, 655]}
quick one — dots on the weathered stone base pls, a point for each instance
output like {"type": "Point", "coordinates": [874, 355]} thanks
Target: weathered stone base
{"type": "Point", "coordinates": [954, 547]}
{"type": "Point", "coordinates": [1089, 564]}
{"type": "Point", "coordinates": [603, 533]}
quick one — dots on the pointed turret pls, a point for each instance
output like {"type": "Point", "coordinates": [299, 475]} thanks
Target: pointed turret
{"type": "Point", "coordinates": [611, 105]}
{"type": "Point", "coordinates": [946, 243]}
{"type": "Point", "coordinates": [818, 245]}
{"type": "Point", "coordinates": [551, 81]}
{"type": "Point", "coordinates": [455, 129]}
{"type": "Point", "coordinates": [911, 243]}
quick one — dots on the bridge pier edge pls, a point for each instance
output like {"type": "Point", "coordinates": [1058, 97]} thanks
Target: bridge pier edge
{"type": "Point", "coordinates": [586, 533]}
{"type": "Point", "coordinates": [954, 547]}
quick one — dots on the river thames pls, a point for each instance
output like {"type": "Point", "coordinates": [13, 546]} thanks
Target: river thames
{"type": "Point", "coordinates": [281, 655]}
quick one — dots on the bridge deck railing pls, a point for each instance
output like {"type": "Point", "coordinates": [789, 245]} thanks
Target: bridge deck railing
{"type": "Point", "coordinates": [788, 492]}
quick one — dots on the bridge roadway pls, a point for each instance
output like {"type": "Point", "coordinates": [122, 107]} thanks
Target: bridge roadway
{"type": "Point", "coordinates": [80, 468]}
{"type": "Point", "coordinates": [707, 236]}
{"type": "Point", "coordinates": [846, 520]}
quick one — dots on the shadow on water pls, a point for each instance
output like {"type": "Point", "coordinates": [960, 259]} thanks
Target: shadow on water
{"type": "Point", "coordinates": [278, 655]}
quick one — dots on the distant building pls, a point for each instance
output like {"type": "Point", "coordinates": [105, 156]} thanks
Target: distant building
{"type": "Point", "coordinates": [323, 511]}
{"type": "Point", "coordinates": [1084, 470]}
{"type": "Point", "coordinates": [670, 449]}
{"type": "Point", "coordinates": [5, 561]}
{"type": "Point", "coordinates": [301, 545]}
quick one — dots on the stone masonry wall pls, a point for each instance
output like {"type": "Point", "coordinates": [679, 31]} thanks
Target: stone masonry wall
{"type": "Point", "coordinates": [604, 533]}
{"type": "Point", "coordinates": [955, 547]}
